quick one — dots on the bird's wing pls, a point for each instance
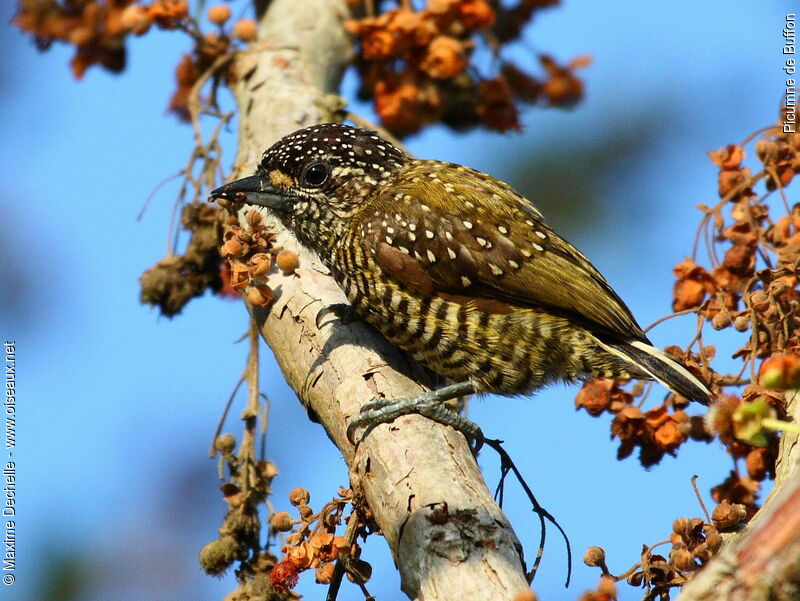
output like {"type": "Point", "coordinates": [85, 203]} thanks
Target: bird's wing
{"type": "Point", "coordinates": [478, 241]}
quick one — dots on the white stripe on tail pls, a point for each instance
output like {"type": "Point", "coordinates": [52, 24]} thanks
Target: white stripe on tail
{"type": "Point", "coordinates": [682, 381]}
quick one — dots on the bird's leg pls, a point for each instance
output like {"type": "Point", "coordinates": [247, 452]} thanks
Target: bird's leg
{"type": "Point", "coordinates": [429, 404]}
{"type": "Point", "coordinates": [344, 312]}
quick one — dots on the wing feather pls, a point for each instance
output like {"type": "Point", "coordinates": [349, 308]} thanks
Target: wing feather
{"type": "Point", "coordinates": [480, 239]}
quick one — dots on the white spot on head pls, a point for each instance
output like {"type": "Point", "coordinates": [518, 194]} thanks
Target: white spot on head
{"type": "Point", "coordinates": [429, 234]}
{"type": "Point", "coordinates": [412, 226]}
{"type": "Point", "coordinates": [390, 229]}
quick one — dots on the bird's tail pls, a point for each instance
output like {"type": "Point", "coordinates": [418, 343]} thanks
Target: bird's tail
{"type": "Point", "coordinates": [661, 367]}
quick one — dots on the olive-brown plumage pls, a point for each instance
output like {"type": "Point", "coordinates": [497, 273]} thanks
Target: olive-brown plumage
{"type": "Point", "coordinates": [452, 265]}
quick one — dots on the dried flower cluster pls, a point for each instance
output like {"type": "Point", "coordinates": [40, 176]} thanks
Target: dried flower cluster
{"type": "Point", "coordinates": [418, 65]}
{"type": "Point", "coordinates": [176, 279]}
{"type": "Point", "coordinates": [250, 254]}
{"type": "Point", "coordinates": [238, 540]}
{"type": "Point", "coordinates": [98, 30]}
{"type": "Point", "coordinates": [313, 544]}
{"type": "Point", "coordinates": [655, 432]}
{"type": "Point", "coordinates": [209, 48]}
{"type": "Point", "coordinates": [693, 543]}
{"type": "Point", "coordinates": [750, 284]}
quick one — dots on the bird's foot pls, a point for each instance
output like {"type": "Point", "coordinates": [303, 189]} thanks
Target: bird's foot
{"type": "Point", "coordinates": [344, 312]}
{"type": "Point", "coordinates": [429, 404]}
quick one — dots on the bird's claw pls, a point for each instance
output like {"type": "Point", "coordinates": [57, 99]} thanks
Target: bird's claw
{"type": "Point", "coordinates": [342, 311]}
{"type": "Point", "coordinates": [380, 411]}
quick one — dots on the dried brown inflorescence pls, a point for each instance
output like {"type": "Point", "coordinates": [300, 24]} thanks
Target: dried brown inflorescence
{"type": "Point", "coordinates": [418, 66]}
{"type": "Point", "coordinates": [98, 29]}
{"type": "Point", "coordinates": [693, 543]}
{"type": "Point", "coordinates": [749, 284]}
{"type": "Point", "coordinates": [313, 543]}
{"type": "Point", "coordinates": [249, 255]}
{"type": "Point", "coordinates": [176, 279]}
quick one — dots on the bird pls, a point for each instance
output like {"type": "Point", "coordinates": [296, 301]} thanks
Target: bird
{"type": "Point", "coordinates": [454, 267]}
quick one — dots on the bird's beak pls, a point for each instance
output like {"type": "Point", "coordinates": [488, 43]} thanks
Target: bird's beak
{"type": "Point", "coordinates": [253, 190]}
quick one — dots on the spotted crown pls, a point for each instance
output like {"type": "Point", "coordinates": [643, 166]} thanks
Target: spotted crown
{"type": "Point", "coordinates": [346, 150]}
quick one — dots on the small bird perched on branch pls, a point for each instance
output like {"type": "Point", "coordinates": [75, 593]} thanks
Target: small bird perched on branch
{"type": "Point", "coordinates": [454, 267]}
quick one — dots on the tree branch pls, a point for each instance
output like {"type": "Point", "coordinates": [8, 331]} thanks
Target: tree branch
{"type": "Point", "coordinates": [448, 537]}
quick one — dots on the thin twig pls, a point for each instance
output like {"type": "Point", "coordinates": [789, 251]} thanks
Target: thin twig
{"type": "Point", "coordinates": [758, 132]}
{"type": "Point", "coordinates": [700, 498]}
{"type": "Point", "coordinates": [193, 101]}
{"type": "Point", "coordinates": [670, 316]}
{"type": "Point", "coordinates": [213, 451]}
{"type": "Point", "coordinates": [247, 455]}
{"type": "Point", "coordinates": [506, 465]}
{"type": "Point", "coordinates": [155, 189]}
{"type": "Point", "coordinates": [350, 534]}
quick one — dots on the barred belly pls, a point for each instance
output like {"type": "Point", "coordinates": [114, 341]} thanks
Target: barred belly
{"type": "Point", "coordinates": [509, 353]}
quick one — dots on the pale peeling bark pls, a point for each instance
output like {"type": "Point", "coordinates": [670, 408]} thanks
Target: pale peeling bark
{"type": "Point", "coordinates": [448, 537]}
{"type": "Point", "coordinates": [763, 562]}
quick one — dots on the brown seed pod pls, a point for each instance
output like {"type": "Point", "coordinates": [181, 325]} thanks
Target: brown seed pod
{"type": "Point", "coordinates": [299, 496]}
{"type": "Point", "coordinates": [219, 14]}
{"type": "Point", "coordinates": [259, 265]}
{"type": "Point", "coordinates": [225, 443]}
{"type": "Point", "coordinates": [595, 557]}
{"type": "Point", "coordinates": [244, 30]}
{"type": "Point", "coordinates": [260, 295]}
{"type": "Point", "coordinates": [324, 573]}
{"type": "Point", "coordinates": [713, 538]}
{"type": "Point", "coordinates": [526, 594]}
{"type": "Point", "coordinates": [287, 261]}
{"type": "Point", "coordinates": [682, 559]}
{"type": "Point", "coordinates": [281, 521]}
{"type": "Point", "coordinates": [728, 515]}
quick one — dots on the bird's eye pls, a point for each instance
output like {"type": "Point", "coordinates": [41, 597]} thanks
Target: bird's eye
{"type": "Point", "coordinates": [316, 174]}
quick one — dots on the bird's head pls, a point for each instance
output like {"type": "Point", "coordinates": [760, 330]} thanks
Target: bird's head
{"type": "Point", "coordinates": [317, 179]}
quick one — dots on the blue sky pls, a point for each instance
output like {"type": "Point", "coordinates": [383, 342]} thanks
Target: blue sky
{"type": "Point", "coordinates": [117, 406]}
